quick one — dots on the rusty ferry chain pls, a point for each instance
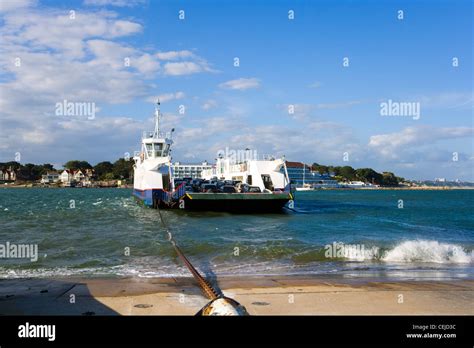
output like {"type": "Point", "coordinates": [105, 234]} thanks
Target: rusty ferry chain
{"type": "Point", "coordinates": [205, 286]}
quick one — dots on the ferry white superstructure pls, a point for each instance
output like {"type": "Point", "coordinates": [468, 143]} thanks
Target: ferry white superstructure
{"type": "Point", "coordinates": [149, 178]}
{"type": "Point", "coordinates": [265, 173]}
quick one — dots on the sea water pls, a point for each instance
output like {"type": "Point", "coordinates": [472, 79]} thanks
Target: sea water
{"type": "Point", "coordinates": [358, 234]}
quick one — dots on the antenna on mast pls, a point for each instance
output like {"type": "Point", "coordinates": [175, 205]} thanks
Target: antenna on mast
{"type": "Point", "coordinates": [157, 118]}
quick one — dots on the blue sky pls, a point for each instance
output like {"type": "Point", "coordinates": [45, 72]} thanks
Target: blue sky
{"type": "Point", "coordinates": [283, 63]}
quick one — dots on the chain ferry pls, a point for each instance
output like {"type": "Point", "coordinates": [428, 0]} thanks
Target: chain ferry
{"type": "Point", "coordinates": [249, 185]}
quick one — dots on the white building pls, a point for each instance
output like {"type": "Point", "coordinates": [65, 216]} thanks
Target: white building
{"type": "Point", "coordinates": [181, 170]}
{"type": "Point", "coordinates": [50, 178]}
{"type": "Point", "coordinates": [66, 176]}
{"type": "Point", "coordinates": [69, 176]}
{"type": "Point", "coordinates": [78, 175]}
{"type": "Point", "coordinates": [7, 174]}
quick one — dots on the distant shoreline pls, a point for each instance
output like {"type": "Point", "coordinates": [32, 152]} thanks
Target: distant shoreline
{"type": "Point", "coordinates": [62, 187]}
{"type": "Point", "coordinates": [417, 188]}
{"type": "Point", "coordinates": [427, 188]}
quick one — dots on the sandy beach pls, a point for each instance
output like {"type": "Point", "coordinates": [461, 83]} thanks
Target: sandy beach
{"type": "Point", "coordinates": [295, 295]}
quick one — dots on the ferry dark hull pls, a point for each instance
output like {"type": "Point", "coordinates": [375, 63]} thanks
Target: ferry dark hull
{"type": "Point", "coordinates": [222, 202]}
{"type": "Point", "coordinates": [236, 202]}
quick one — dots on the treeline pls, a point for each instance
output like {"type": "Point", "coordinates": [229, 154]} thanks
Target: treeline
{"type": "Point", "coordinates": [120, 169]}
{"type": "Point", "coordinates": [28, 171]}
{"type": "Point", "coordinates": [368, 175]}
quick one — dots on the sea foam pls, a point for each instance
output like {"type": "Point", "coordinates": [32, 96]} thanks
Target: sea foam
{"type": "Point", "coordinates": [428, 251]}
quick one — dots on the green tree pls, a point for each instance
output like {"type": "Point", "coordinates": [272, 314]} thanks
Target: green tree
{"type": "Point", "coordinates": [347, 172]}
{"type": "Point", "coordinates": [321, 169]}
{"type": "Point", "coordinates": [47, 167]}
{"type": "Point", "coordinates": [389, 179]}
{"type": "Point", "coordinates": [103, 168]}
{"type": "Point", "coordinates": [108, 176]}
{"type": "Point", "coordinates": [14, 165]}
{"type": "Point", "coordinates": [30, 171]}
{"type": "Point", "coordinates": [400, 179]}
{"type": "Point", "coordinates": [369, 175]}
{"type": "Point", "coordinates": [75, 164]}
{"type": "Point", "coordinates": [123, 169]}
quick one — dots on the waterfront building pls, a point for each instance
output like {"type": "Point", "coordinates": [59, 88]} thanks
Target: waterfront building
{"type": "Point", "coordinates": [302, 175]}
{"type": "Point", "coordinates": [70, 176]}
{"type": "Point", "coordinates": [181, 170]}
{"type": "Point", "coordinates": [50, 178]}
{"type": "Point", "coordinates": [7, 174]}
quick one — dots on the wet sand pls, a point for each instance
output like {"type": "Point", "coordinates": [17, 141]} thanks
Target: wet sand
{"type": "Point", "coordinates": [261, 296]}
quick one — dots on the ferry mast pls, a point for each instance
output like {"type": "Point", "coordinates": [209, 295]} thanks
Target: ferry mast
{"type": "Point", "coordinates": [157, 119]}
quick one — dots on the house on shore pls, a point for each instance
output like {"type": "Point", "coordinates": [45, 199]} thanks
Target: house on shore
{"type": "Point", "coordinates": [7, 175]}
{"type": "Point", "coordinates": [50, 178]}
{"type": "Point", "coordinates": [70, 177]}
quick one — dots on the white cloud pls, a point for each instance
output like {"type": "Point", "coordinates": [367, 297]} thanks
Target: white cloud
{"type": "Point", "coordinates": [448, 100]}
{"type": "Point", "coordinates": [145, 64]}
{"type": "Point", "coordinates": [301, 111]}
{"type": "Point", "coordinates": [241, 84]}
{"type": "Point", "coordinates": [410, 140]}
{"type": "Point", "coordinates": [183, 68]}
{"type": "Point", "coordinates": [320, 141]}
{"type": "Point", "coordinates": [109, 53]}
{"type": "Point", "coordinates": [296, 111]}
{"type": "Point", "coordinates": [166, 97]}
{"type": "Point", "coordinates": [182, 62]}
{"type": "Point", "coordinates": [11, 5]}
{"type": "Point", "coordinates": [338, 105]}
{"type": "Point", "coordinates": [418, 135]}
{"type": "Point", "coordinates": [209, 104]}
{"type": "Point", "coordinates": [37, 136]}
{"type": "Point", "coordinates": [80, 60]}
{"type": "Point", "coordinates": [325, 145]}
{"type": "Point", "coordinates": [118, 3]}
{"type": "Point", "coordinates": [54, 31]}
{"type": "Point", "coordinates": [172, 55]}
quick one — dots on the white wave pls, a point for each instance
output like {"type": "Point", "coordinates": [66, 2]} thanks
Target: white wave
{"type": "Point", "coordinates": [407, 251]}
{"type": "Point", "coordinates": [353, 253]}
{"type": "Point", "coordinates": [428, 251]}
